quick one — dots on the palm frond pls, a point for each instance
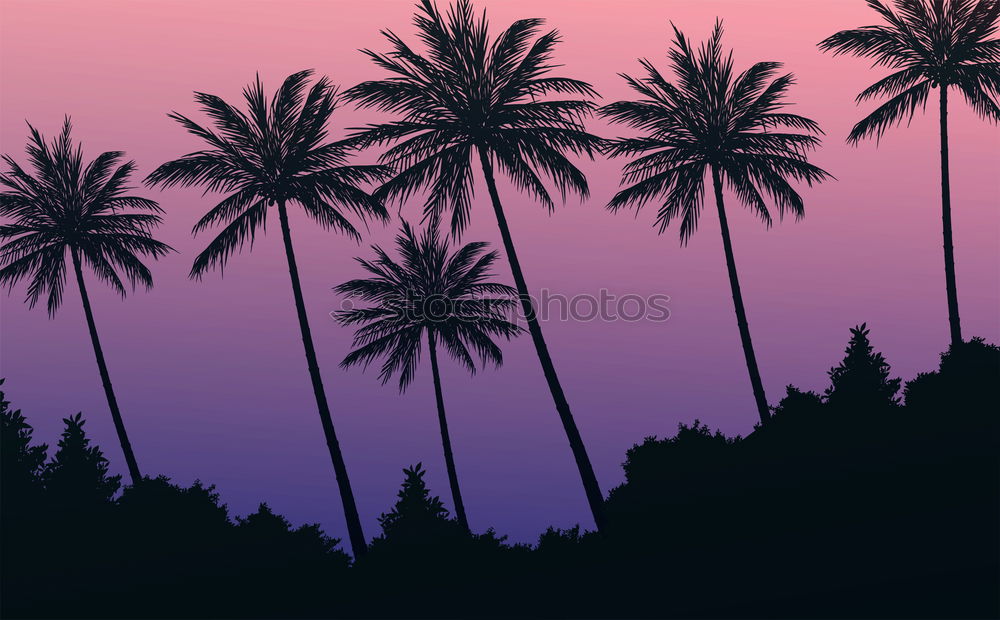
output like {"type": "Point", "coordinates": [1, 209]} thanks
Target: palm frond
{"type": "Point", "coordinates": [930, 44]}
{"type": "Point", "coordinates": [707, 118]}
{"type": "Point", "coordinates": [58, 204]}
{"type": "Point", "coordinates": [464, 92]}
{"type": "Point", "coordinates": [273, 153]}
{"type": "Point", "coordinates": [428, 290]}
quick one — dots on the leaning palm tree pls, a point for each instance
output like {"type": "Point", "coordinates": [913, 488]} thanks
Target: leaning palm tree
{"type": "Point", "coordinates": [272, 156]}
{"type": "Point", "coordinates": [64, 205]}
{"type": "Point", "coordinates": [928, 44]}
{"type": "Point", "coordinates": [468, 101]}
{"type": "Point", "coordinates": [711, 121]}
{"type": "Point", "coordinates": [448, 298]}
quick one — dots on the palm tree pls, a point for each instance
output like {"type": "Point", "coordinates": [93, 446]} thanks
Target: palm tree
{"type": "Point", "coordinates": [731, 127]}
{"type": "Point", "coordinates": [448, 298]}
{"type": "Point", "coordinates": [271, 156]}
{"type": "Point", "coordinates": [469, 99]}
{"type": "Point", "coordinates": [928, 44]}
{"type": "Point", "coordinates": [63, 205]}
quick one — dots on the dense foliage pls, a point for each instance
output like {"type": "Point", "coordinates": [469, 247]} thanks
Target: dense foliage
{"type": "Point", "coordinates": [870, 498]}
{"type": "Point", "coordinates": [874, 505]}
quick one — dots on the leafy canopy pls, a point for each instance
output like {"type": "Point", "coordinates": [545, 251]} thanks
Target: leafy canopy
{"type": "Point", "coordinates": [62, 203]}
{"type": "Point", "coordinates": [447, 295]}
{"type": "Point", "coordinates": [274, 153]}
{"type": "Point", "coordinates": [928, 43]}
{"type": "Point", "coordinates": [467, 92]}
{"type": "Point", "coordinates": [862, 382]}
{"type": "Point", "coordinates": [21, 463]}
{"type": "Point", "coordinates": [710, 118]}
{"type": "Point", "coordinates": [77, 476]}
{"type": "Point", "coordinates": [416, 512]}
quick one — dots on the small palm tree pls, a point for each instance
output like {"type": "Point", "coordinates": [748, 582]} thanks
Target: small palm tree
{"type": "Point", "coordinates": [271, 156]}
{"type": "Point", "coordinates": [928, 44]}
{"type": "Point", "coordinates": [468, 101]}
{"type": "Point", "coordinates": [710, 121]}
{"type": "Point", "coordinates": [448, 298]}
{"type": "Point", "coordinates": [63, 205]}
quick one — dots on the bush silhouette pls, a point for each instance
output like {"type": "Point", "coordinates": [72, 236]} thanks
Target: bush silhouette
{"type": "Point", "coordinates": [861, 381]}
{"type": "Point", "coordinates": [850, 504]}
{"type": "Point", "coordinates": [77, 477]}
{"type": "Point", "coordinates": [967, 378]}
{"type": "Point", "coordinates": [20, 462]}
{"type": "Point", "coordinates": [417, 518]}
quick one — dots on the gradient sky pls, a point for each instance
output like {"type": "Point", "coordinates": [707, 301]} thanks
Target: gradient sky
{"type": "Point", "coordinates": [211, 377]}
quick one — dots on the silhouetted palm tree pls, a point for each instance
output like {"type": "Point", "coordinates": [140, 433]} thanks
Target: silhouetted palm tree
{"type": "Point", "coordinates": [270, 156]}
{"type": "Point", "coordinates": [712, 121]}
{"type": "Point", "coordinates": [469, 99]}
{"type": "Point", "coordinates": [928, 44]}
{"type": "Point", "coordinates": [62, 204]}
{"type": "Point", "coordinates": [448, 297]}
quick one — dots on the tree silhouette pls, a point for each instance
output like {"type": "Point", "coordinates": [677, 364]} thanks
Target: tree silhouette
{"type": "Point", "coordinates": [417, 515]}
{"type": "Point", "coordinates": [798, 405]}
{"type": "Point", "coordinates": [77, 476]}
{"type": "Point", "coordinates": [711, 120]}
{"type": "Point", "coordinates": [966, 379]}
{"type": "Point", "coordinates": [300, 562]}
{"type": "Point", "coordinates": [21, 464]}
{"type": "Point", "coordinates": [448, 297]}
{"type": "Point", "coordinates": [22, 509]}
{"type": "Point", "coordinates": [271, 156]}
{"type": "Point", "coordinates": [861, 381]}
{"type": "Point", "coordinates": [276, 540]}
{"type": "Point", "coordinates": [928, 44]}
{"type": "Point", "coordinates": [62, 205]}
{"type": "Point", "coordinates": [469, 98]}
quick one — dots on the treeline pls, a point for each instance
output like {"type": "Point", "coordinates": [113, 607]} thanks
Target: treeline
{"type": "Point", "coordinates": [458, 107]}
{"type": "Point", "coordinates": [870, 499]}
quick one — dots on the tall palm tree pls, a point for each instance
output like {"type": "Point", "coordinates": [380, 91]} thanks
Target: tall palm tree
{"type": "Point", "coordinates": [446, 297]}
{"type": "Point", "coordinates": [273, 155]}
{"type": "Point", "coordinates": [468, 99]}
{"type": "Point", "coordinates": [928, 44]}
{"type": "Point", "coordinates": [64, 205]}
{"type": "Point", "coordinates": [711, 121]}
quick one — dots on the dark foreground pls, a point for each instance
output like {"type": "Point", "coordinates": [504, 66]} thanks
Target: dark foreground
{"type": "Point", "coordinates": [870, 500]}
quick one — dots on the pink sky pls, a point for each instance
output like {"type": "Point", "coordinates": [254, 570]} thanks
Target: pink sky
{"type": "Point", "coordinates": [210, 374]}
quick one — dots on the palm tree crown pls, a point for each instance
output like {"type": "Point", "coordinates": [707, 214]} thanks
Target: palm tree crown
{"type": "Point", "coordinates": [468, 93]}
{"type": "Point", "coordinates": [446, 295]}
{"type": "Point", "coordinates": [711, 119]}
{"type": "Point", "coordinates": [271, 155]}
{"type": "Point", "coordinates": [927, 44]}
{"type": "Point", "coordinates": [63, 204]}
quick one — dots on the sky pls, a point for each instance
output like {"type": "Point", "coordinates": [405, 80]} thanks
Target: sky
{"type": "Point", "coordinates": [211, 376]}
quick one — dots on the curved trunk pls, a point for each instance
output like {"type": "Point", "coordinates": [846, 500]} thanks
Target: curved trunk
{"type": "Point", "coordinates": [741, 314]}
{"type": "Point", "coordinates": [949, 250]}
{"type": "Point", "coordinates": [358, 544]}
{"type": "Point", "coordinates": [449, 457]}
{"type": "Point", "coordinates": [590, 486]}
{"type": "Point", "coordinates": [109, 392]}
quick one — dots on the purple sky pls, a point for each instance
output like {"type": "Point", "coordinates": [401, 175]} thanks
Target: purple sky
{"type": "Point", "coordinates": [211, 376]}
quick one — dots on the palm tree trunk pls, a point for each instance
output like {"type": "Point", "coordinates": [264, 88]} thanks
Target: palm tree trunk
{"type": "Point", "coordinates": [741, 314]}
{"type": "Point", "coordinates": [102, 366]}
{"type": "Point", "coordinates": [949, 250]}
{"type": "Point", "coordinates": [449, 457]}
{"type": "Point", "coordinates": [590, 486]}
{"type": "Point", "coordinates": [357, 536]}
